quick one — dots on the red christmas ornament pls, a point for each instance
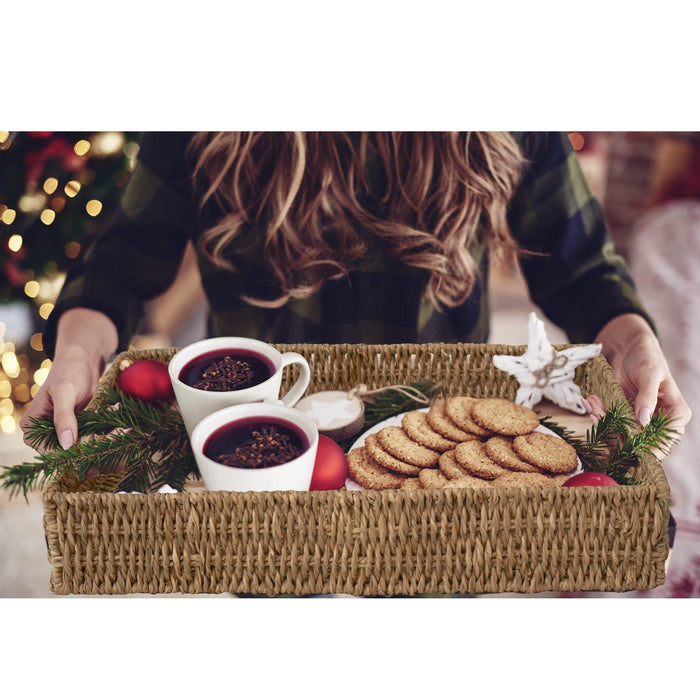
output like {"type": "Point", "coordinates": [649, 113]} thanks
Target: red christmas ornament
{"type": "Point", "coordinates": [330, 468]}
{"type": "Point", "coordinates": [590, 479]}
{"type": "Point", "coordinates": [147, 380]}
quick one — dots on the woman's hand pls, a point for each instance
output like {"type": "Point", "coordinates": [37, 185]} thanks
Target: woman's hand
{"type": "Point", "coordinates": [85, 339]}
{"type": "Point", "coordinates": [633, 351]}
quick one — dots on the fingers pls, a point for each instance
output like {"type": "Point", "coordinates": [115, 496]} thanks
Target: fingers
{"type": "Point", "coordinates": [594, 407]}
{"type": "Point", "coordinates": [61, 400]}
{"type": "Point", "coordinates": [647, 396]}
{"type": "Point", "coordinates": [672, 402]}
{"type": "Point", "coordinates": [64, 400]}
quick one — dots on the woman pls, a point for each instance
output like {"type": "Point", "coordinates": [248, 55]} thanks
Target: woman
{"type": "Point", "coordinates": [353, 237]}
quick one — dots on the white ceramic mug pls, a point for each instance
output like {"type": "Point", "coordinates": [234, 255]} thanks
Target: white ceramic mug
{"type": "Point", "coordinates": [291, 476]}
{"type": "Point", "coordinates": [195, 404]}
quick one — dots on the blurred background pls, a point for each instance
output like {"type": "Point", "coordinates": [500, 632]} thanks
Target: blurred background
{"type": "Point", "coordinates": [58, 189]}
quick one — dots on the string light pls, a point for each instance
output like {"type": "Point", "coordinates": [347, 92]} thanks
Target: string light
{"type": "Point", "coordinates": [8, 216]}
{"type": "Point", "coordinates": [82, 147]}
{"type": "Point", "coordinates": [57, 204]}
{"type": "Point", "coordinates": [7, 424]}
{"type": "Point", "coordinates": [45, 310]}
{"type": "Point", "coordinates": [34, 390]}
{"type": "Point", "coordinates": [4, 135]}
{"type": "Point", "coordinates": [15, 242]}
{"type": "Point", "coordinates": [72, 188]}
{"type": "Point", "coordinates": [31, 289]}
{"type": "Point", "coordinates": [6, 406]}
{"type": "Point", "coordinates": [48, 216]}
{"type": "Point", "coordinates": [93, 207]}
{"type": "Point", "coordinates": [46, 364]}
{"type": "Point", "coordinates": [36, 342]}
{"type": "Point", "coordinates": [50, 185]}
{"type": "Point", "coordinates": [5, 388]}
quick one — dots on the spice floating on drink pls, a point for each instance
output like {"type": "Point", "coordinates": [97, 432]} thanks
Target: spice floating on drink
{"type": "Point", "coordinates": [255, 443]}
{"type": "Point", "coordinates": [227, 370]}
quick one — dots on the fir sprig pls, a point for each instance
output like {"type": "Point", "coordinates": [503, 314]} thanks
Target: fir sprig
{"type": "Point", "coordinates": [616, 444]}
{"type": "Point", "coordinates": [148, 442]}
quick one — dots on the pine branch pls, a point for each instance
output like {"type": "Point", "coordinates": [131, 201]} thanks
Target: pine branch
{"type": "Point", "coordinates": [393, 402]}
{"type": "Point", "coordinates": [615, 445]}
{"type": "Point", "coordinates": [148, 441]}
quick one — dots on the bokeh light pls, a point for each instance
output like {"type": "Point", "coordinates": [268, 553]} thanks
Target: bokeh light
{"type": "Point", "coordinates": [93, 207]}
{"type": "Point", "coordinates": [29, 203]}
{"type": "Point", "coordinates": [36, 342]}
{"type": "Point", "coordinates": [107, 143]}
{"type": "Point", "coordinates": [50, 185]}
{"type": "Point", "coordinates": [72, 188]}
{"type": "Point", "coordinates": [15, 242]}
{"type": "Point", "coordinates": [48, 216]}
{"type": "Point", "coordinates": [7, 424]}
{"type": "Point", "coordinates": [10, 364]}
{"type": "Point", "coordinates": [45, 310]}
{"type": "Point", "coordinates": [40, 375]}
{"type": "Point", "coordinates": [72, 249]}
{"type": "Point", "coordinates": [31, 289]}
{"type": "Point", "coordinates": [22, 393]}
{"type": "Point", "coordinates": [82, 147]}
{"type": "Point", "coordinates": [8, 216]}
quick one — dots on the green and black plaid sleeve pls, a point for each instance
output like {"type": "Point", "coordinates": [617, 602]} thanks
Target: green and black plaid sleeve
{"type": "Point", "coordinates": [138, 254]}
{"type": "Point", "coordinates": [572, 272]}
{"type": "Point", "coordinates": [571, 269]}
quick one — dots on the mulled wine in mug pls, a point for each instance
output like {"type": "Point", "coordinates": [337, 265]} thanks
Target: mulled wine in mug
{"type": "Point", "coordinates": [256, 447]}
{"type": "Point", "coordinates": [218, 372]}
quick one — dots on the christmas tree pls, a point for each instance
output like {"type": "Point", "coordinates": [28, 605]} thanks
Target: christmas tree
{"type": "Point", "coordinates": [57, 190]}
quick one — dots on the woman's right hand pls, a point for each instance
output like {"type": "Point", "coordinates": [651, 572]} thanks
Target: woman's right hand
{"type": "Point", "coordinates": [85, 340]}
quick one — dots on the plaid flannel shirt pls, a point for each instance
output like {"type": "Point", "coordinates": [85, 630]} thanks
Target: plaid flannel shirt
{"type": "Point", "coordinates": [574, 277]}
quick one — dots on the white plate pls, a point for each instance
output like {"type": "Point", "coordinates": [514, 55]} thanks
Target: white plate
{"type": "Point", "coordinates": [352, 485]}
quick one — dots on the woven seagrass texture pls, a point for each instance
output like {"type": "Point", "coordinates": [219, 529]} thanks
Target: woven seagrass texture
{"type": "Point", "coordinates": [366, 542]}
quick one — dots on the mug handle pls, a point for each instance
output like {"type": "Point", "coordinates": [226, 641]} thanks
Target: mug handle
{"type": "Point", "coordinates": [297, 391]}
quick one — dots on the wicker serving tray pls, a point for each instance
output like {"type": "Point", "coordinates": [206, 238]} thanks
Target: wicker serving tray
{"type": "Point", "coordinates": [366, 542]}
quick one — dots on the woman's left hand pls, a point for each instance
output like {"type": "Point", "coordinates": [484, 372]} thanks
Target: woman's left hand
{"type": "Point", "coordinates": [634, 352]}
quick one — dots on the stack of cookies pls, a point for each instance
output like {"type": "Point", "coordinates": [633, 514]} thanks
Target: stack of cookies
{"type": "Point", "coordinates": [463, 442]}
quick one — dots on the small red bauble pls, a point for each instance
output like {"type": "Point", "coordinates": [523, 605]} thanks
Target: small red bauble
{"type": "Point", "coordinates": [330, 468]}
{"type": "Point", "coordinates": [590, 479]}
{"type": "Point", "coordinates": [147, 380]}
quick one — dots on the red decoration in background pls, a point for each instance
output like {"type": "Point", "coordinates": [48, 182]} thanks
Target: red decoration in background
{"type": "Point", "coordinates": [330, 468]}
{"type": "Point", "coordinates": [57, 148]}
{"type": "Point", "coordinates": [14, 275]}
{"type": "Point", "coordinates": [147, 380]}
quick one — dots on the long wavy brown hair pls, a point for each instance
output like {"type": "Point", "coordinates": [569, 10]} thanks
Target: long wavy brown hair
{"type": "Point", "coordinates": [308, 193]}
